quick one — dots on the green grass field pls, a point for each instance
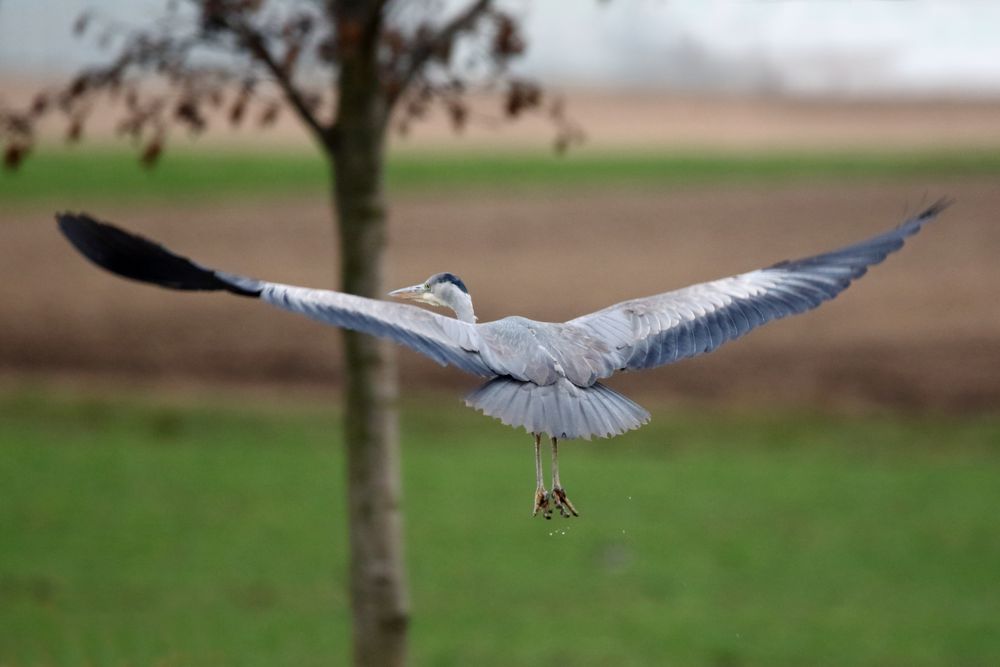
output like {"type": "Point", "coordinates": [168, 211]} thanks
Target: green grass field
{"type": "Point", "coordinates": [138, 532]}
{"type": "Point", "coordinates": [87, 177]}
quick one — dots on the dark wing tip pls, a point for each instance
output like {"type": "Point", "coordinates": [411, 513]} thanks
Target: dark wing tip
{"type": "Point", "coordinates": [874, 250]}
{"type": "Point", "coordinates": [78, 227]}
{"type": "Point", "coordinates": [936, 208]}
{"type": "Point", "coordinates": [913, 225]}
{"type": "Point", "coordinates": [132, 256]}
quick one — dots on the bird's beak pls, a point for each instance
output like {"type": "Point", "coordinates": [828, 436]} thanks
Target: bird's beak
{"type": "Point", "coordinates": [411, 292]}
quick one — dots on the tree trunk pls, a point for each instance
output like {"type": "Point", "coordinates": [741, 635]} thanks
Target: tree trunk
{"type": "Point", "coordinates": [379, 599]}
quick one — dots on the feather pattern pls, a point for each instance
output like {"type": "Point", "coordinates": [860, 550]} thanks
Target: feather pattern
{"type": "Point", "coordinates": [662, 329]}
{"type": "Point", "coordinates": [561, 409]}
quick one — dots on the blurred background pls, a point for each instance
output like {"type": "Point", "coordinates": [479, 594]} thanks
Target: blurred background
{"type": "Point", "coordinates": [822, 492]}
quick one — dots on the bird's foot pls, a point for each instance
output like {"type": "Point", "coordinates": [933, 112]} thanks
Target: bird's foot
{"type": "Point", "coordinates": [562, 503]}
{"type": "Point", "coordinates": [542, 503]}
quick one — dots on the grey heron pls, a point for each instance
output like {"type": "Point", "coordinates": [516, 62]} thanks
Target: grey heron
{"type": "Point", "coordinates": [541, 376]}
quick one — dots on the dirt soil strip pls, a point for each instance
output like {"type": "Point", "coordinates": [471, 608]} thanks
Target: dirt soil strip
{"type": "Point", "coordinates": [621, 121]}
{"type": "Point", "coordinates": [919, 332]}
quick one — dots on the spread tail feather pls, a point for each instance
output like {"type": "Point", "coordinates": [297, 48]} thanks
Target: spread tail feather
{"type": "Point", "coordinates": [563, 410]}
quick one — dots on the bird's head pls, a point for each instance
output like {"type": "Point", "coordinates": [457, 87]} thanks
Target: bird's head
{"type": "Point", "coordinates": [445, 290]}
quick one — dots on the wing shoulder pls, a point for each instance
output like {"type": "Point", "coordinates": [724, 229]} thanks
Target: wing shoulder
{"type": "Point", "coordinates": [446, 340]}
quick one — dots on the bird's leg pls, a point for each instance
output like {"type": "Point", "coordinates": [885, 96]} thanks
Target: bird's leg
{"type": "Point", "coordinates": [559, 498]}
{"type": "Point", "coordinates": [541, 495]}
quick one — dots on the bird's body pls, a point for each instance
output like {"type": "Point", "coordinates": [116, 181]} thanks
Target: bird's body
{"type": "Point", "coordinates": [542, 376]}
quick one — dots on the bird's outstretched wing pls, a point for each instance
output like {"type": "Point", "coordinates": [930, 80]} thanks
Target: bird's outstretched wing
{"type": "Point", "coordinates": [662, 329]}
{"type": "Point", "coordinates": [443, 339]}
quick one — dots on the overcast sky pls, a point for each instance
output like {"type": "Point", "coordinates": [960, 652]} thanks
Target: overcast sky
{"type": "Point", "coordinates": [860, 47]}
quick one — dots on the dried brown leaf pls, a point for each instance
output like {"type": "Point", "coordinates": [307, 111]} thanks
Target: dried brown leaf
{"type": "Point", "coordinates": [188, 113]}
{"type": "Point", "coordinates": [521, 96]}
{"type": "Point", "coordinates": [507, 40]}
{"type": "Point", "coordinates": [458, 113]}
{"type": "Point", "coordinates": [20, 124]}
{"type": "Point", "coordinates": [81, 23]}
{"type": "Point", "coordinates": [238, 110]}
{"type": "Point", "coordinates": [326, 49]}
{"type": "Point", "coordinates": [152, 152]}
{"type": "Point", "coordinates": [14, 155]}
{"type": "Point", "coordinates": [78, 86]}
{"type": "Point", "coordinates": [40, 104]}
{"type": "Point", "coordinates": [74, 131]}
{"type": "Point", "coordinates": [269, 115]}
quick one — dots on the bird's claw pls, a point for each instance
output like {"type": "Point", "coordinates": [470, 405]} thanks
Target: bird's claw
{"type": "Point", "coordinates": [542, 498]}
{"type": "Point", "coordinates": [562, 503]}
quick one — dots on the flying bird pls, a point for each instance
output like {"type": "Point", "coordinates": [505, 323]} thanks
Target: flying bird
{"type": "Point", "coordinates": [542, 376]}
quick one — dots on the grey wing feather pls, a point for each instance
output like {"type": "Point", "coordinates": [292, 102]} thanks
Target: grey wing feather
{"type": "Point", "coordinates": [542, 352]}
{"type": "Point", "coordinates": [445, 340]}
{"type": "Point", "coordinates": [662, 329]}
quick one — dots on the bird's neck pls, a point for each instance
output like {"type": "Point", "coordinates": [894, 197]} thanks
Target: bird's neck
{"type": "Point", "coordinates": [461, 303]}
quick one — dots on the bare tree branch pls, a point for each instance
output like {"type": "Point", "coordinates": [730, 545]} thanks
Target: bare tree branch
{"type": "Point", "coordinates": [440, 40]}
{"type": "Point", "coordinates": [255, 44]}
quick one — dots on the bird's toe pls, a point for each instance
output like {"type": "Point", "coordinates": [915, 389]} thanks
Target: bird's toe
{"type": "Point", "coordinates": [542, 503]}
{"type": "Point", "coordinates": [562, 503]}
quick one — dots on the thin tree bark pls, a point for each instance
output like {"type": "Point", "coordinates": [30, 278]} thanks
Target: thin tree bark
{"type": "Point", "coordinates": [379, 598]}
